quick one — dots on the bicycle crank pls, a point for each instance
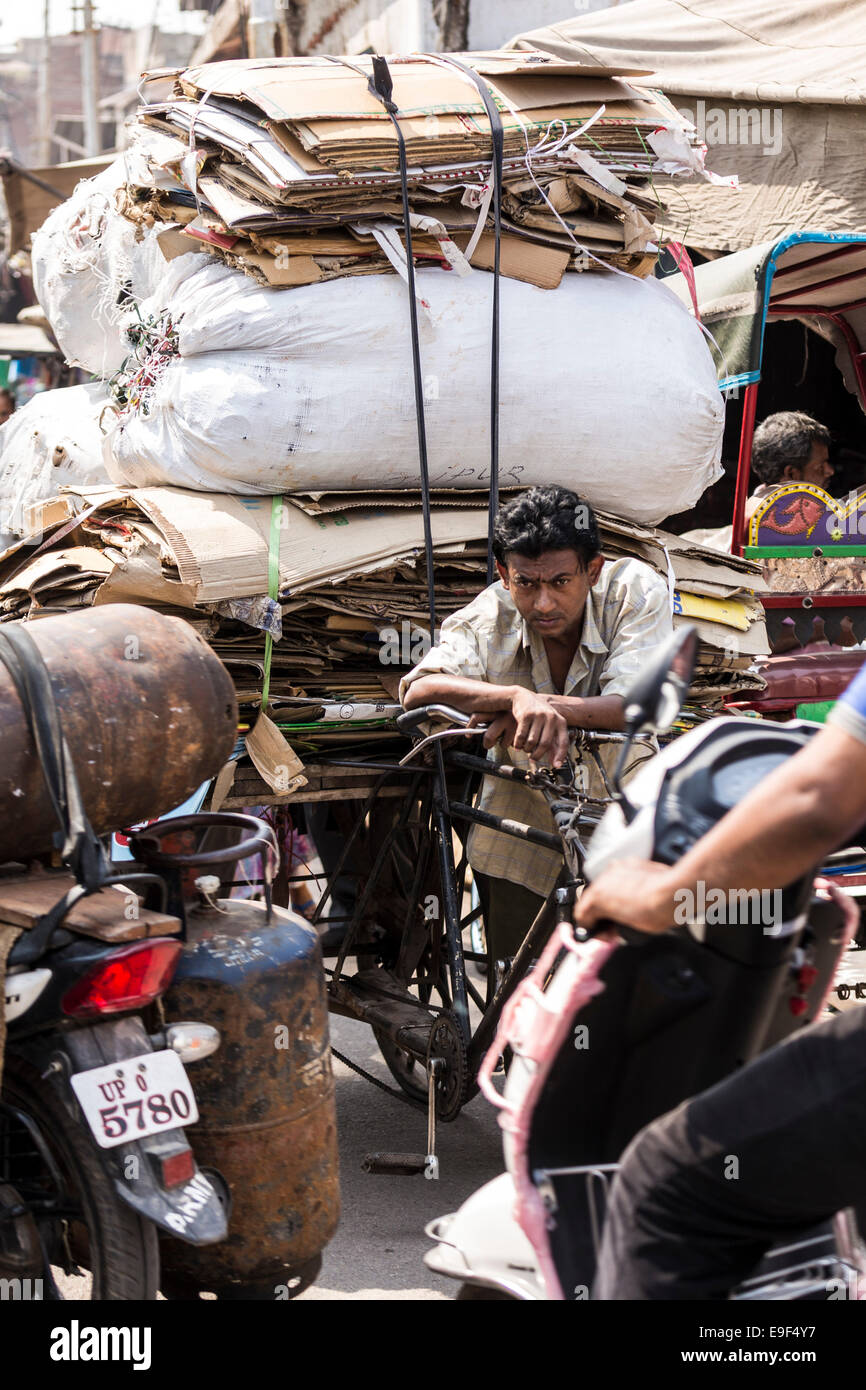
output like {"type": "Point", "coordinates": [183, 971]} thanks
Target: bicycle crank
{"type": "Point", "coordinates": [447, 1047]}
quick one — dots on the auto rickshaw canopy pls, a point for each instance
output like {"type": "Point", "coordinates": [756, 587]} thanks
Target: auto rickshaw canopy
{"type": "Point", "coordinates": [816, 277]}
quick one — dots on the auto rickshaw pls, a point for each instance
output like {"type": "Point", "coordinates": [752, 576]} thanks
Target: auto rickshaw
{"type": "Point", "coordinates": [787, 322]}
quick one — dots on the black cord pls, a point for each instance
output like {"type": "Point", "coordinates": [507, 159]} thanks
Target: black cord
{"type": "Point", "coordinates": [381, 86]}
{"type": "Point", "coordinates": [498, 137]}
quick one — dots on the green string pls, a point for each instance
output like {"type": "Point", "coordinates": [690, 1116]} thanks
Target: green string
{"type": "Point", "coordinates": [273, 589]}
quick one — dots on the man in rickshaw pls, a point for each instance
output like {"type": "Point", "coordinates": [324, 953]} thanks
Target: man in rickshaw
{"type": "Point", "coordinates": [552, 646]}
{"type": "Point", "coordinates": [788, 447]}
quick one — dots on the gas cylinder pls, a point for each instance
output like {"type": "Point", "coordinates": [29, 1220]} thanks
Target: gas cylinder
{"type": "Point", "coordinates": [148, 711]}
{"type": "Point", "coordinates": [266, 1103]}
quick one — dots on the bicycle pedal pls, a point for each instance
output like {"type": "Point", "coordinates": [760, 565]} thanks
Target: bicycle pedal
{"type": "Point", "coordinates": [395, 1164]}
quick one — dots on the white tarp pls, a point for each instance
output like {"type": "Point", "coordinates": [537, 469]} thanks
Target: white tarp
{"type": "Point", "coordinates": [52, 441]}
{"type": "Point", "coordinates": [607, 386]}
{"type": "Point", "coordinates": [777, 92]}
{"type": "Point", "coordinates": [89, 264]}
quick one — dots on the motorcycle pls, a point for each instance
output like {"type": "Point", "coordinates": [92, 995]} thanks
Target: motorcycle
{"type": "Point", "coordinates": [93, 1154]}
{"type": "Point", "coordinates": [668, 1016]}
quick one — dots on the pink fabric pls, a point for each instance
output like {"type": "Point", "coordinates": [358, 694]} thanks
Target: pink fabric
{"type": "Point", "coordinates": [686, 266]}
{"type": "Point", "coordinates": [530, 1027]}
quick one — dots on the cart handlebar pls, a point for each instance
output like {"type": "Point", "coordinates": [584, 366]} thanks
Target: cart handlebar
{"type": "Point", "coordinates": [408, 722]}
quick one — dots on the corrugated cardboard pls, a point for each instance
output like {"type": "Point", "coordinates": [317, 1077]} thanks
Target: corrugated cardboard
{"type": "Point", "coordinates": [530, 261]}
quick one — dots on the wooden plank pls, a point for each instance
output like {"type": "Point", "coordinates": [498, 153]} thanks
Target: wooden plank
{"type": "Point", "coordinates": [354, 793]}
{"type": "Point", "coordinates": [25, 899]}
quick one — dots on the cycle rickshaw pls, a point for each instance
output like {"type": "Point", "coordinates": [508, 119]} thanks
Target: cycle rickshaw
{"type": "Point", "coordinates": [406, 960]}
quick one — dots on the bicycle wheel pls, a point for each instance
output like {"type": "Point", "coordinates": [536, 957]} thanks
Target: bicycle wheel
{"type": "Point", "coordinates": [47, 1158]}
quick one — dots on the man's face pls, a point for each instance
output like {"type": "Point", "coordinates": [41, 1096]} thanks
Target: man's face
{"type": "Point", "coordinates": [817, 468]}
{"type": "Point", "coordinates": [550, 592]}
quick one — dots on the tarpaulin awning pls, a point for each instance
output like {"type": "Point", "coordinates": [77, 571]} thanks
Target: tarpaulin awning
{"type": "Point", "coordinates": [777, 92]}
{"type": "Point", "coordinates": [817, 278]}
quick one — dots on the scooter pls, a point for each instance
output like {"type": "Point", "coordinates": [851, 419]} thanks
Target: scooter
{"type": "Point", "coordinates": [607, 1035]}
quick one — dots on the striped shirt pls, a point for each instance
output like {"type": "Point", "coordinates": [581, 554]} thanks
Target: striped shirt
{"type": "Point", "coordinates": [627, 616]}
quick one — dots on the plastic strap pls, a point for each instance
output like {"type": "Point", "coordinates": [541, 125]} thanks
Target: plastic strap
{"type": "Point", "coordinates": [381, 86]}
{"type": "Point", "coordinates": [497, 134]}
{"type": "Point", "coordinates": [273, 589]}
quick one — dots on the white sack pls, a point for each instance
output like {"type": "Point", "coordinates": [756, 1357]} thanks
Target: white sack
{"type": "Point", "coordinates": [87, 262]}
{"type": "Point", "coordinates": [52, 441]}
{"type": "Point", "coordinates": [607, 386]}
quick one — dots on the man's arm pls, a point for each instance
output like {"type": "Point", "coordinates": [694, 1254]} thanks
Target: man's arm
{"type": "Point", "coordinates": [590, 712]}
{"type": "Point", "coordinates": [480, 697]}
{"type": "Point", "coordinates": [463, 693]}
{"type": "Point", "coordinates": [786, 826]}
{"type": "Point", "coordinates": [524, 719]}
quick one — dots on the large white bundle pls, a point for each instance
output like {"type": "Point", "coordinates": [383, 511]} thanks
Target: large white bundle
{"type": "Point", "coordinates": [607, 386]}
{"type": "Point", "coordinates": [89, 264]}
{"type": "Point", "coordinates": [54, 440]}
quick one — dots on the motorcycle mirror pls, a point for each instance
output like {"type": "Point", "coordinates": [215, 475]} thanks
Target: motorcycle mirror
{"type": "Point", "coordinates": [654, 701]}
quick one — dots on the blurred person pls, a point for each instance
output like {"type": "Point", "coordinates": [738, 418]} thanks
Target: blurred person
{"type": "Point", "coordinates": [788, 447]}
{"type": "Point", "coordinates": [679, 1224]}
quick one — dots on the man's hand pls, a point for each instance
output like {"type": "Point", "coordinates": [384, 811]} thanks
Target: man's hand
{"type": "Point", "coordinates": [540, 730]}
{"type": "Point", "coordinates": [634, 892]}
{"type": "Point", "coordinates": [500, 729]}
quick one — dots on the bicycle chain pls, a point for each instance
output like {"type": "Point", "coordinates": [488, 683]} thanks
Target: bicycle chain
{"type": "Point", "coordinates": [382, 1085]}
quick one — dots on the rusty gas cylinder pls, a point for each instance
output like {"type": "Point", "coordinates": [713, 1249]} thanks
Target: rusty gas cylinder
{"type": "Point", "coordinates": [266, 1099]}
{"type": "Point", "coordinates": [148, 711]}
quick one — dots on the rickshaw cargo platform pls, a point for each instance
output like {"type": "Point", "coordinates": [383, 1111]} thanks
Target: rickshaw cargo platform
{"type": "Point", "coordinates": [337, 781]}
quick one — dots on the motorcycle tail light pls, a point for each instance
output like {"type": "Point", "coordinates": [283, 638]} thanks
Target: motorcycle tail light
{"type": "Point", "coordinates": [129, 978]}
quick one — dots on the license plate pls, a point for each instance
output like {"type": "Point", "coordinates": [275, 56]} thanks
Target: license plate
{"type": "Point", "coordinates": [139, 1096]}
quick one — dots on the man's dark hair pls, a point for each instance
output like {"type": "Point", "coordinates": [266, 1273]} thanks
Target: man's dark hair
{"type": "Point", "coordinates": [546, 518]}
{"type": "Point", "coordinates": [785, 439]}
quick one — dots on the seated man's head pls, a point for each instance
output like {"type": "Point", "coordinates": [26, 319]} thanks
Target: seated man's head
{"type": "Point", "coordinates": [792, 447]}
{"type": "Point", "coordinates": [7, 405]}
{"type": "Point", "coordinates": [548, 557]}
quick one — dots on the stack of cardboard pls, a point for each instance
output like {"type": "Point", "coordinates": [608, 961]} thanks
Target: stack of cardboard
{"type": "Point", "coordinates": [351, 610]}
{"type": "Point", "coordinates": [289, 168]}
{"type": "Point", "coordinates": [717, 593]}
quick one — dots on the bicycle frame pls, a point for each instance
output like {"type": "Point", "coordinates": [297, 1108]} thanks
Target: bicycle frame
{"type": "Point", "coordinates": [574, 814]}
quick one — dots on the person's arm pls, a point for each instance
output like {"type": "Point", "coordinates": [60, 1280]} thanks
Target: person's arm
{"type": "Point", "coordinates": [524, 719]}
{"type": "Point", "coordinates": [591, 711]}
{"type": "Point", "coordinates": [786, 826]}
{"type": "Point", "coordinates": [462, 692]}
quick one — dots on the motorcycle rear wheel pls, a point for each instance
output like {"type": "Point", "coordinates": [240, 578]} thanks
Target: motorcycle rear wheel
{"type": "Point", "coordinates": [105, 1237]}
